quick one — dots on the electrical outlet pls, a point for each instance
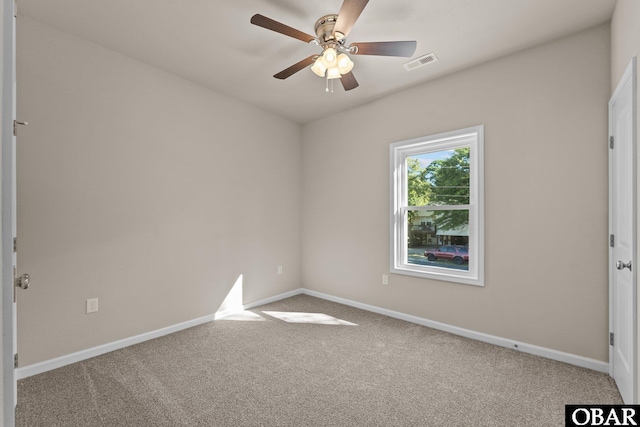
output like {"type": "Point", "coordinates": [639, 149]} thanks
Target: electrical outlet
{"type": "Point", "coordinates": [92, 305]}
{"type": "Point", "coordinates": [385, 279]}
{"type": "Point", "coordinates": [279, 269]}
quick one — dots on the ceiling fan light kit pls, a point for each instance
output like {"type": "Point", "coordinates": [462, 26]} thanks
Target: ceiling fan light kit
{"type": "Point", "coordinates": [332, 65]}
{"type": "Point", "coordinates": [331, 33]}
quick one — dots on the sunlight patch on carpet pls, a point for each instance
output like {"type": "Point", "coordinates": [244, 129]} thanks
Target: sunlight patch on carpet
{"type": "Point", "coordinates": [315, 318]}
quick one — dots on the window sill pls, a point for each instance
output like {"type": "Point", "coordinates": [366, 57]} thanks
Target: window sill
{"type": "Point", "coordinates": [448, 276]}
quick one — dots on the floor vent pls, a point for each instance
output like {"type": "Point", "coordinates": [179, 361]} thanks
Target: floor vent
{"type": "Point", "coordinates": [419, 62]}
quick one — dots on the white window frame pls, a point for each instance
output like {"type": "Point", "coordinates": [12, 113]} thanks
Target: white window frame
{"type": "Point", "coordinates": [472, 137]}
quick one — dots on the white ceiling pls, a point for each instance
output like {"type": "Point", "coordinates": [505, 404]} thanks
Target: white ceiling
{"type": "Point", "coordinates": [212, 42]}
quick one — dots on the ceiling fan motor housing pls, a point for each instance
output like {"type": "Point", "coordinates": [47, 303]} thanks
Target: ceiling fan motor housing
{"type": "Point", "coordinates": [324, 29]}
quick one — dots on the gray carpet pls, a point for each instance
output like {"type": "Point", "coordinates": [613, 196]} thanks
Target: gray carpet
{"type": "Point", "coordinates": [382, 372]}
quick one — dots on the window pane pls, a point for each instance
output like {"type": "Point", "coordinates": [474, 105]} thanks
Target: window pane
{"type": "Point", "coordinates": [438, 178]}
{"type": "Point", "coordinates": [438, 238]}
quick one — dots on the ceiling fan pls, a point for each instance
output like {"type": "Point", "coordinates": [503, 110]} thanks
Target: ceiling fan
{"type": "Point", "coordinates": [331, 32]}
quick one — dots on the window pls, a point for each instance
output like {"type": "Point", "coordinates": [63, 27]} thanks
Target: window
{"type": "Point", "coordinates": [438, 180]}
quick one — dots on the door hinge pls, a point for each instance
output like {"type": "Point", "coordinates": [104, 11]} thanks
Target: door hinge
{"type": "Point", "coordinates": [15, 126]}
{"type": "Point", "coordinates": [15, 244]}
{"type": "Point", "coordinates": [612, 240]}
{"type": "Point", "coordinates": [15, 360]}
{"type": "Point", "coordinates": [611, 142]}
{"type": "Point", "coordinates": [15, 8]}
{"type": "Point", "coordinates": [610, 338]}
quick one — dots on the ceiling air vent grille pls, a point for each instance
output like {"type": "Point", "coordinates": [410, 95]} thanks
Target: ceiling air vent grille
{"type": "Point", "coordinates": [419, 62]}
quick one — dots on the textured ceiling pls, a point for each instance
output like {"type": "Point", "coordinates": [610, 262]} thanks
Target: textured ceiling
{"type": "Point", "coordinates": [212, 42]}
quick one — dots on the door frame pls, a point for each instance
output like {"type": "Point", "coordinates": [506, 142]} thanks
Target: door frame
{"type": "Point", "coordinates": [630, 75]}
{"type": "Point", "coordinates": [8, 388]}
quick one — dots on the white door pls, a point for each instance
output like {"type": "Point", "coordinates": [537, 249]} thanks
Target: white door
{"type": "Point", "coordinates": [8, 178]}
{"type": "Point", "coordinates": [622, 226]}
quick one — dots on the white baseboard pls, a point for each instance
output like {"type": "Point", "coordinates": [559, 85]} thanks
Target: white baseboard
{"type": "Point", "coordinates": [274, 299]}
{"type": "Point", "coordinates": [58, 362]}
{"type": "Point", "coordinates": [548, 353]}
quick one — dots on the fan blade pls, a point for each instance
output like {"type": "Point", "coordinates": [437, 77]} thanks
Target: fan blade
{"type": "Point", "coordinates": [386, 48]}
{"type": "Point", "coordinates": [270, 24]}
{"type": "Point", "coordinates": [349, 81]}
{"type": "Point", "coordinates": [349, 13]}
{"type": "Point", "coordinates": [295, 68]}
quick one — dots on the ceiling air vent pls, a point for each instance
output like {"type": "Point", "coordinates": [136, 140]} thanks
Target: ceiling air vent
{"type": "Point", "coordinates": [419, 62]}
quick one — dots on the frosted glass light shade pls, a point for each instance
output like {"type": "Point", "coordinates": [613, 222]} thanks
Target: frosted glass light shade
{"type": "Point", "coordinates": [333, 73]}
{"type": "Point", "coordinates": [318, 68]}
{"type": "Point", "coordinates": [329, 57]}
{"type": "Point", "coordinates": [345, 64]}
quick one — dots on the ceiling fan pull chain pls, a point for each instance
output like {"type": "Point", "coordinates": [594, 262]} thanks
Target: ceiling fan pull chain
{"type": "Point", "coordinates": [329, 86]}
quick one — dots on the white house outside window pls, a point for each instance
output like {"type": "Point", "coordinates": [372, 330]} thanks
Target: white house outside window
{"type": "Point", "coordinates": [437, 206]}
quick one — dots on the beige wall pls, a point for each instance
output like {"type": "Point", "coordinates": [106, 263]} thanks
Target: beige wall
{"type": "Point", "coordinates": [144, 190]}
{"type": "Point", "coordinates": [625, 37]}
{"type": "Point", "coordinates": [625, 44]}
{"type": "Point", "coordinates": [545, 117]}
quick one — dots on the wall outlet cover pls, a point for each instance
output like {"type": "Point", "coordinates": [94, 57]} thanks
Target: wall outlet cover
{"type": "Point", "coordinates": [92, 305]}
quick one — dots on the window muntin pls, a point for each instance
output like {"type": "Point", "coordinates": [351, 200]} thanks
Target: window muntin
{"type": "Point", "coordinates": [437, 206]}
